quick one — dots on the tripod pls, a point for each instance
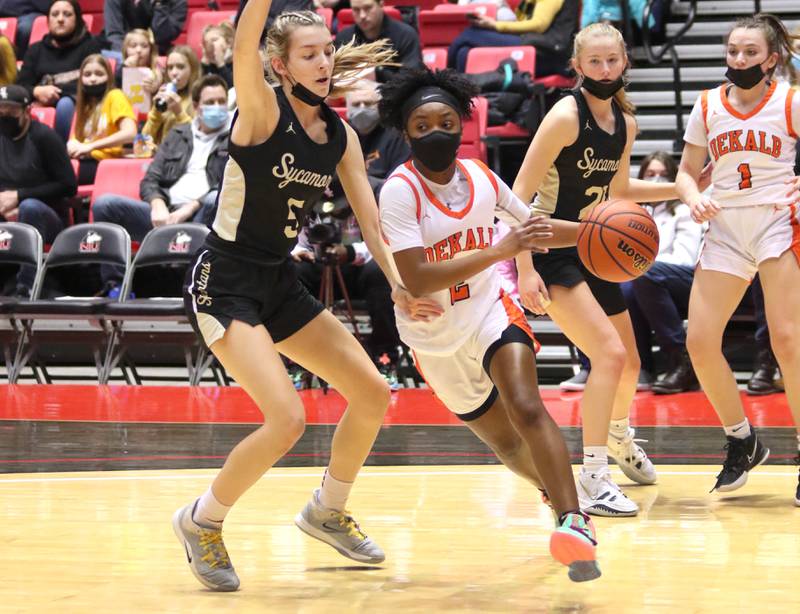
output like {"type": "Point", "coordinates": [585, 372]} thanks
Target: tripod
{"type": "Point", "coordinates": [329, 268]}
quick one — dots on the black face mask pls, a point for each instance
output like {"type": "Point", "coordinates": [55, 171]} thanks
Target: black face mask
{"type": "Point", "coordinates": [602, 89]}
{"type": "Point", "coordinates": [436, 150]}
{"type": "Point", "coordinates": [94, 91]}
{"type": "Point", "coordinates": [10, 127]}
{"type": "Point", "coordinates": [303, 94]}
{"type": "Point", "coordinates": [745, 78]}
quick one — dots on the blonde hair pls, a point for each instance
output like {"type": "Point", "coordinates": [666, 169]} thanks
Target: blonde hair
{"type": "Point", "coordinates": [8, 62]}
{"type": "Point", "coordinates": [348, 60]}
{"type": "Point", "coordinates": [88, 110]}
{"type": "Point", "coordinates": [225, 28]}
{"type": "Point", "coordinates": [152, 60]}
{"type": "Point", "coordinates": [582, 39]}
{"type": "Point", "coordinates": [778, 41]}
{"type": "Point", "coordinates": [194, 67]}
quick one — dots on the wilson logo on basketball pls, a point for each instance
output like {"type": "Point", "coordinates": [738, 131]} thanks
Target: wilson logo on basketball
{"type": "Point", "coordinates": [90, 244]}
{"type": "Point", "coordinates": [180, 243]}
{"type": "Point", "coordinates": [5, 240]}
{"type": "Point", "coordinates": [639, 261]}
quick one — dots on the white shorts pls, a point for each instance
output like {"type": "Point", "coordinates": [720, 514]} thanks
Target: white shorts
{"type": "Point", "coordinates": [741, 238]}
{"type": "Point", "coordinates": [461, 380]}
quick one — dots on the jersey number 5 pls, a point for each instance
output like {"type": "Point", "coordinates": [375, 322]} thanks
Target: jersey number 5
{"type": "Point", "coordinates": [459, 292]}
{"type": "Point", "coordinates": [295, 207]}
{"type": "Point", "coordinates": [744, 171]}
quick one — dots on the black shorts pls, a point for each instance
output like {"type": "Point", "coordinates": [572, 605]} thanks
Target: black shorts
{"type": "Point", "coordinates": [563, 267]}
{"type": "Point", "coordinates": [220, 289]}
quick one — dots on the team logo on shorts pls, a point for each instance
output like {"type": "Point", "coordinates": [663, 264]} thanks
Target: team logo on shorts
{"type": "Point", "coordinates": [5, 240]}
{"type": "Point", "coordinates": [90, 244]}
{"type": "Point", "coordinates": [180, 243]}
{"type": "Point", "coordinates": [202, 284]}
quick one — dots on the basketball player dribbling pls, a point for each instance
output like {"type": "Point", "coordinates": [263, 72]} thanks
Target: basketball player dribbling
{"type": "Point", "coordinates": [579, 157]}
{"type": "Point", "coordinates": [749, 127]}
{"type": "Point", "coordinates": [245, 300]}
{"type": "Point", "coordinates": [437, 215]}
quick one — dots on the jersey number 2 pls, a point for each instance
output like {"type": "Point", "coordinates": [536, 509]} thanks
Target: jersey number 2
{"type": "Point", "coordinates": [295, 207]}
{"type": "Point", "coordinates": [459, 292]}
{"type": "Point", "coordinates": [598, 194]}
{"type": "Point", "coordinates": [744, 171]}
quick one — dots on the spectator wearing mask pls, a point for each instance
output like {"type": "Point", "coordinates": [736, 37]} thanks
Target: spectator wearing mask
{"type": "Point", "coordinates": [384, 150]}
{"type": "Point", "coordinates": [547, 25]}
{"type": "Point", "coordinates": [51, 66]}
{"type": "Point", "coordinates": [172, 104]}
{"type": "Point", "coordinates": [371, 24]}
{"type": "Point", "coordinates": [182, 182]}
{"type": "Point", "coordinates": [165, 18]}
{"type": "Point", "coordinates": [36, 177]}
{"type": "Point", "coordinates": [104, 119]}
{"type": "Point", "coordinates": [218, 51]}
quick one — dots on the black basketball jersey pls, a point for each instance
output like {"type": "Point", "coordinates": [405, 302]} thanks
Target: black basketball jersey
{"type": "Point", "coordinates": [267, 188]}
{"type": "Point", "coordinates": [582, 172]}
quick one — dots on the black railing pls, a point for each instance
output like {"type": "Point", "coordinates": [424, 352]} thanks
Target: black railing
{"type": "Point", "coordinates": [655, 57]}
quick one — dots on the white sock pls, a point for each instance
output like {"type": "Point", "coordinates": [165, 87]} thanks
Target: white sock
{"type": "Point", "coordinates": [208, 512]}
{"type": "Point", "coordinates": [619, 428]}
{"type": "Point", "coordinates": [739, 431]}
{"type": "Point", "coordinates": [333, 493]}
{"type": "Point", "coordinates": [594, 458]}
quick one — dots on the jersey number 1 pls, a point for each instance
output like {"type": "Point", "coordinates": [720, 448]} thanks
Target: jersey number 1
{"type": "Point", "coordinates": [459, 292]}
{"type": "Point", "coordinates": [744, 171]}
{"type": "Point", "coordinates": [295, 207]}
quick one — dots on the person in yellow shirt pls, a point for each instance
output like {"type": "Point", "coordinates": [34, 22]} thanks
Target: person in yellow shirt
{"type": "Point", "coordinates": [104, 118]}
{"type": "Point", "coordinates": [172, 104]}
{"type": "Point", "coordinates": [547, 25]}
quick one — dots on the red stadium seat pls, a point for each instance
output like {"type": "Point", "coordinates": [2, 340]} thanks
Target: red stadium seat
{"type": "Point", "coordinates": [8, 28]}
{"type": "Point", "coordinates": [341, 112]}
{"type": "Point", "coordinates": [556, 82]}
{"type": "Point", "coordinates": [327, 15]}
{"type": "Point", "coordinates": [439, 28]}
{"type": "Point", "coordinates": [119, 176]}
{"type": "Point", "coordinates": [487, 10]}
{"type": "Point", "coordinates": [45, 115]}
{"type": "Point", "coordinates": [345, 16]}
{"type": "Point", "coordinates": [198, 21]}
{"type": "Point", "coordinates": [423, 5]}
{"type": "Point", "coordinates": [473, 130]}
{"type": "Point", "coordinates": [435, 58]}
{"type": "Point", "coordinates": [39, 28]}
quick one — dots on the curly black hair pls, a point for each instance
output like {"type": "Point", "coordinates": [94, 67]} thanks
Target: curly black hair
{"type": "Point", "coordinates": [406, 81]}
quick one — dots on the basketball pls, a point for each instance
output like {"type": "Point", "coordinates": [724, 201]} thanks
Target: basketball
{"type": "Point", "coordinates": [618, 240]}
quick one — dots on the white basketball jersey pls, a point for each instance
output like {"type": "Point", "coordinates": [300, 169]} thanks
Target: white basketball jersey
{"type": "Point", "coordinates": [752, 153]}
{"type": "Point", "coordinates": [448, 222]}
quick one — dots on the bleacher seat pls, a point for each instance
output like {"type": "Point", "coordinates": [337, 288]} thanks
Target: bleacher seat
{"type": "Point", "coordinates": [119, 176]}
{"type": "Point", "coordinates": [45, 115]}
{"type": "Point", "coordinates": [39, 28]}
{"type": "Point", "coordinates": [173, 245]}
{"type": "Point", "coordinates": [439, 28]}
{"type": "Point", "coordinates": [435, 58]}
{"type": "Point", "coordinates": [327, 15]}
{"type": "Point", "coordinates": [423, 5]}
{"type": "Point", "coordinates": [473, 130]}
{"type": "Point", "coordinates": [345, 16]}
{"type": "Point", "coordinates": [8, 28]}
{"type": "Point", "coordinates": [198, 21]}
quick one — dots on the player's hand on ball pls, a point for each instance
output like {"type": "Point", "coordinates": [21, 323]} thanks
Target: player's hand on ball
{"type": "Point", "coordinates": [704, 209]}
{"type": "Point", "coordinates": [526, 236]}
{"type": "Point", "coordinates": [422, 308]}
{"type": "Point", "coordinates": [533, 293]}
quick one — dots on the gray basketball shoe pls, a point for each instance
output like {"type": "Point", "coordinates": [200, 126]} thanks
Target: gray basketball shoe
{"type": "Point", "coordinates": [339, 530]}
{"type": "Point", "coordinates": [205, 551]}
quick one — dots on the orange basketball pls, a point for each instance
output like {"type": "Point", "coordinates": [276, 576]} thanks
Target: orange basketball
{"type": "Point", "coordinates": [618, 240]}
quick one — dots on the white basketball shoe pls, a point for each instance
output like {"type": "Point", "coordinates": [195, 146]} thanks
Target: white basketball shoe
{"type": "Point", "coordinates": [600, 496]}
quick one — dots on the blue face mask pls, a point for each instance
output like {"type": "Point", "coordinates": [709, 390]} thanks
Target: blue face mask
{"type": "Point", "coordinates": [214, 116]}
{"type": "Point", "coordinates": [796, 62]}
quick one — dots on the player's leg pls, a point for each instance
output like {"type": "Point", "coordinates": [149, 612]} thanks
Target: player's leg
{"type": "Point", "coordinates": [578, 314]}
{"type": "Point", "coordinates": [714, 297]}
{"type": "Point", "coordinates": [249, 356]}
{"type": "Point", "coordinates": [325, 347]}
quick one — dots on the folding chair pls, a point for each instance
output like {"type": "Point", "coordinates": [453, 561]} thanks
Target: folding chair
{"type": "Point", "coordinates": [42, 320]}
{"type": "Point", "coordinates": [161, 320]}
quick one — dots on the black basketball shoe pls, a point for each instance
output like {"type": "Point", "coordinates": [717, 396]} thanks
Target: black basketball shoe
{"type": "Point", "coordinates": [743, 455]}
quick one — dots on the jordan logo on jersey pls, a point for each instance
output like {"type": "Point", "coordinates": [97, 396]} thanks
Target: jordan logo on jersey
{"type": "Point", "coordinates": [290, 174]}
{"type": "Point", "coordinates": [591, 164]}
{"type": "Point", "coordinates": [290, 128]}
{"type": "Point", "coordinates": [471, 239]}
{"type": "Point", "coordinates": [733, 140]}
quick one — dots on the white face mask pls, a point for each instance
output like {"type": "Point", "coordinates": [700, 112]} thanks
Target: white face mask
{"type": "Point", "coordinates": [657, 179]}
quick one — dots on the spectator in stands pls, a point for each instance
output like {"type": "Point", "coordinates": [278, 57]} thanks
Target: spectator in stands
{"type": "Point", "coordinates": [36, 177]}
{"type": "Point", "coordinates": [183, 71]}
{"type": "Point", "coordinates": [26, 11]}
{"type": "Point", "coordinates": [218, 51]}
{"type": "Point", "coordinates": [104, 119]}
{"type": "Point", "coordinates": [384, 149]}
{"type": "Point", "coordinates": [165, 18]}
{"type": "Point", "coordinates": [8, 62]}
{"type": "Point", "coordinates": [548, 25]}
{"type": "Point", "coordinates": [276, 8]}
{"type": "Point", "coordinates": [593, 11]}
{"type": "Point", "coordinates": [51, 66]}
{"type": "Point", "coordinates": [371, 24]}
{"type": "Point", "coordinates": [139, 51]}
{"type": "Point", "coordinates": [504, 12]}
{"type": "Point", "coordinates": [181, 183]}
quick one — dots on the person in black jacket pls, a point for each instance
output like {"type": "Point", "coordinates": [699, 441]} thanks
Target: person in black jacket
{"type": "Point", "coordinates": [164, 17]}
{"type": "Point", "coordinates": [51, 66]}
{"type": "Point", "coordinates": [36, 176]}
{"type": "Point", "coordinates": [181, 183]}
{"type": "Point", "coordinates": [372, 24]}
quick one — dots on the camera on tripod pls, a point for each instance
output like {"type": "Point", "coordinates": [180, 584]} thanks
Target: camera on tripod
{"type": "Point", "coordinates": [326, 230]}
